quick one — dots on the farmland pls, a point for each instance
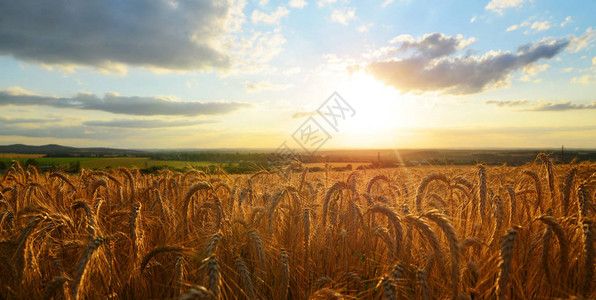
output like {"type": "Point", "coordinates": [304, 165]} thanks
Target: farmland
{"type": "Point", "coordinates": [101, 163]}
{"type": "Point", "coordinates": [429, 232]}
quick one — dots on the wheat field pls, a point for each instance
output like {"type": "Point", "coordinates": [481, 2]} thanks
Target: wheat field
{"type": "Point", "coordinates": [433, 232]}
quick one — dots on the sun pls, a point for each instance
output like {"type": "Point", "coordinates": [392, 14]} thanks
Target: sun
{"type": "Point", "coordinates": [380, 112]}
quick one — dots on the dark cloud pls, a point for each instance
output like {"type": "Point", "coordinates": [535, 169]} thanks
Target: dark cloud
{"type": "Point", "coordinates": [62, 131]}
{"type": "Point", "coordinates": [561, 106]}
{"type": "Point", "coordinates": [113, 103]}
{"type": "Point", "coordinates": [508, 103]}
{"type": "Point", "coordinates": [435, 45]}
{"type": "Point", "coordinates": [134, 123]}
{"type": "Point", "coordinates": [431, 68]}
{"type": "Point", "coordinates": [170, 34]}
{"type": "Point", "coordinates": [5, 121]}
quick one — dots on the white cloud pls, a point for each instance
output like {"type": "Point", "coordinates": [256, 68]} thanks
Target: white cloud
{"type": "Point", "coordinates": [530, 72]}
{"type": "Point", "coordinates": [297, 3]}
{"type": "Point", "coordinates": [263, 86]}
{"type": "Point", "coordinates": [365, 27]}
{"type": "Point", "coordinates": [387, 2]}
{"type": "Point", "coordinates": [499, 5]}
{"type": "Point", "coordinates": [473, 19]}
{"type": "Point", "coordinates": [567, 21]}
{"type": "Point", "coordinates": [540, 26]}
{"type": "Point", "coordinates": [322, 3]}
{"type": "Point", "coordinates": [585, 79]}
{"type": "Point", "coordinates": [402, 38]}
{"type": "Point", "coordinates": [263, 2]}
{"type": "Point", "coordinates": [583, 41]}
{"type": "Point", "coordinates": [272, 18]}
{"type": "Point", "coordinates": [535, 26]}
{"type": "Point", "coordinates": [343, 16]}
{"type": "Point", "coordinates": [534, 69]}
{"type": "Point", "coordinates": [513, 27]}
{"type": "Point", "coordinates": [253, 53]}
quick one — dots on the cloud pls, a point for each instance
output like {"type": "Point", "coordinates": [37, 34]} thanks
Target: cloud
{"type": "Point", "coordinates": [431, 66]}
{"type": "Point", "coordinates": [144, 123]}
{"type": "Point", "coordinates": [252, 53]}
{"type": "Point", "coordinates": [473, 19]}
{"type": "Point", "coordinates": [583, 41]}
{"type": "Point", "coordinates": [513, 27]}
{"type": "Point", "coordinates": [542, 106]}
{"type": "Point", "coordinates": [322, 3]}
{"type": "Point", "coordinates": [365, 27]}
{"type": "Point", "coordinates": [535, 26]}
{"type": "Point", "coordinates": [561, 106]}
{"type": "Point", "coordinates": [507, 103]}
{"type": "Point", "coordinates": [114, 103]}
{"type": "Point", "coordinates": [297, 3]}
{"type": "Point", "coordinates": [530, 71]}
{"type": "Point", "coordinates": [112, 34]}
{"type": "Point", "coordinates": [540, 26]}
{"type": "Point", "coordinates": [272, 18]}
{"type": "Point", "coordinates": [585, 79]}
{"type": "Point", "coordinates": [60, 131]}
{"type": "Point", "coordinates": [433, 45]}
{"type": "Point", "coordinates": [567, 21]}
{"type": "Point", "coordinates": [303, 114]}
{"type": "Point", "coordinates": [499, 5]}
{"type": "Point", "coordinates": [386, 2]}
{"type": "Point", "coordinates": [343, 16]}
{"type": "Point", "coordinates": [263, 86]}
{"type": "Point", "coordinates": [5, 121]}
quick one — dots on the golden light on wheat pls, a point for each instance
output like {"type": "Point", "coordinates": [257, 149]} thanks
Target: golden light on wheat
{"type": "Point", "coordinates": [425, 232]}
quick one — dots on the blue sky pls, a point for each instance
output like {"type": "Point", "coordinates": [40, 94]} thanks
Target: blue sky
{"type": "Point", "coordinates": [180, 74]}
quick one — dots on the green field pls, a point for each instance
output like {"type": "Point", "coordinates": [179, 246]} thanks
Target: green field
{"type": "Point", "coordinates": [107, 162]}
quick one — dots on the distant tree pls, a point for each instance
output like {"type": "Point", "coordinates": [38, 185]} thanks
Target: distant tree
{"type": "Point", "coordinates": [3, 165]}
{"type": "Point", "coordinates": [31, 162]}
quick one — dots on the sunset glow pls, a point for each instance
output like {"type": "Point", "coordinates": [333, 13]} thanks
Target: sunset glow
{"type": "Point", "coordinates": [248, 73]}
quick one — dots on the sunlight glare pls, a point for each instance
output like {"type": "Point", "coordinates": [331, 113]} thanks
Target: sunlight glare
{"type": "Point", "coordinates": [380, 111]}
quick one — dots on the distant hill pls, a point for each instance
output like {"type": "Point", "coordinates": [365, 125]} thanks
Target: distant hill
{"type": "Point", "coordinates": [54, 150]}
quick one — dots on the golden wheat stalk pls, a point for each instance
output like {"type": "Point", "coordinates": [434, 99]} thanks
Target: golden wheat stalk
{"type": "Point", "coordinates": [245, 278]}
{"type": "Point", "coordinates": [454, 246]}
{"type": "Point", "coordinates": [424, 184]}
{"type": "Point", "coordinates": [567, 188]}
{"type": "Point", "coordinates": [588, 275]}
{"type": "Point", "coordinates": [82, 266]}
{"type": "Point", "coordinates": [505, 263]}
{"type": "Point", "coordinates": [158, 250]}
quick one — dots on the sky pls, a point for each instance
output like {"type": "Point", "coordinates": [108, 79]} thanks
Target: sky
{"type": "Point", "coordinates": [301, 74]}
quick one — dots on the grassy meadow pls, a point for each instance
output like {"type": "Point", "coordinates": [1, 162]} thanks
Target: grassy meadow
{"type": "Point", "coordinates": [432, 232]}
{"type": "Point", "coordinates": [102, 163]}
